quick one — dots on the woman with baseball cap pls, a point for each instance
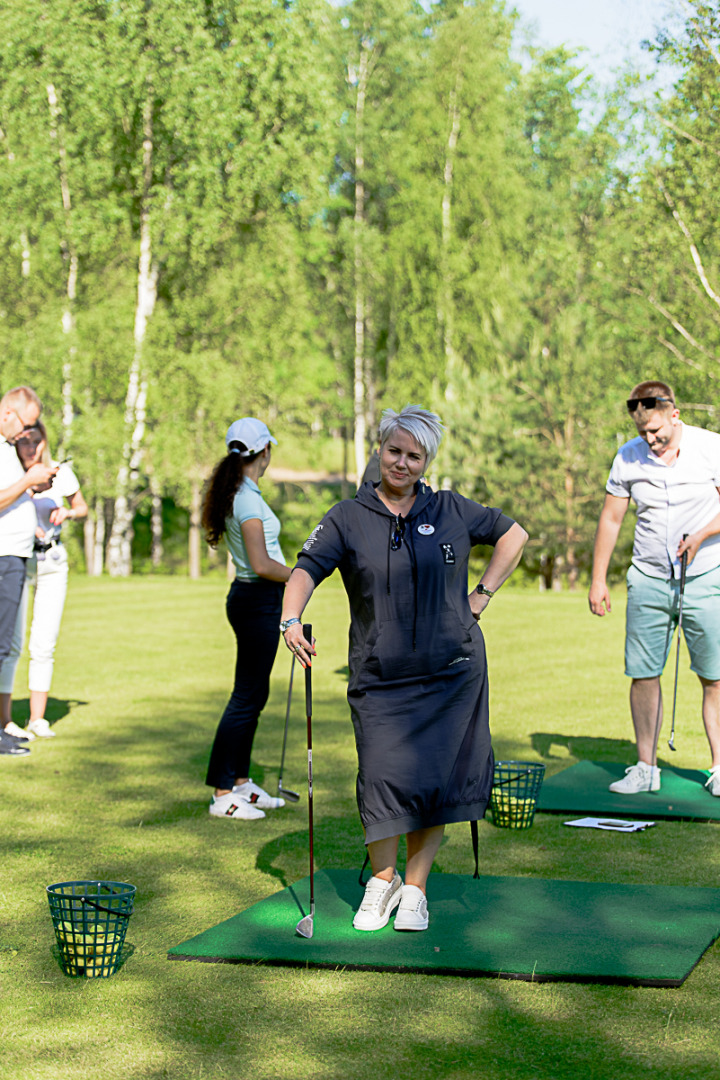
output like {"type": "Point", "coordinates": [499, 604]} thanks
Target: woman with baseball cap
{"type": "Point", "coordinates": [234, 508]}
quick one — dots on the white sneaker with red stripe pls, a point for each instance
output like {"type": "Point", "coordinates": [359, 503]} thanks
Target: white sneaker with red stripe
{"type": "Point", "coordinates": [256, 796]}
{"type": "Point", "coordinates": [230, 806]}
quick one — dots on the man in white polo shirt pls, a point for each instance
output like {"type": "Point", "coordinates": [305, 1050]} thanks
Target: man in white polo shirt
{"type": "Point", "coordinates": [19, 410]}
{"type": "Point", "coordinates": [671, 471]}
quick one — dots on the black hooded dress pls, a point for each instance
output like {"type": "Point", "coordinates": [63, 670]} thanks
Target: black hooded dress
{"type": "Point", "coordinates": [418, 689]}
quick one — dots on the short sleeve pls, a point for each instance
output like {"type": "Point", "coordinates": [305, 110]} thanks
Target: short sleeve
{"type": "Point", "coordinates": [66, 483]}
{"type": "Point", "coordinates": [325, 547]}
{"type": "Point", "coordinates": [485, 524]}
{"type": "Point", "coordinates": [617, 484]}
{"type": "Point", "coordinates": [247, 504]}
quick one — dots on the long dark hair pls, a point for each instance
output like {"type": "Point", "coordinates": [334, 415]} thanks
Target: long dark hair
{"type": "Point", "coordinates": [227, 476]}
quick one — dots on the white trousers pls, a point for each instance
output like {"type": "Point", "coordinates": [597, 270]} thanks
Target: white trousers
{"type": "Point", "coordinates": [50, 585]}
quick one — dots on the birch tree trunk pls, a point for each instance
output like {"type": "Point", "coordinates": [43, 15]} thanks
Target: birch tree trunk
{"type": "Point", "coordinates": [359, 364]}
{"type": "Point", "coordinates": [156, 525]}
{"type": "Point", "coordinates": [446, 309]}
{"type": "Point", "coordinates": [70, 256]}
{"type": "Point", "coordinates": [194, 530]}
{"type": "Point", "coordinates": [98, 559]}
{"type": "Point", "coordinates": [121, 534]}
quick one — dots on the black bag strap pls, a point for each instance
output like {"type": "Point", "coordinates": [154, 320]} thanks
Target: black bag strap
{"type": "Point", "coordinates": [360, 879]}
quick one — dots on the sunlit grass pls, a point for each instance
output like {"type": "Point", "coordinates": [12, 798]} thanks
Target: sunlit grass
{"type": "Point", "coordinates": [143, 671]}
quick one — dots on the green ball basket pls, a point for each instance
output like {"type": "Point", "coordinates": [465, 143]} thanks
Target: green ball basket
{"type": "Point", "coordinates": [514, 795]}
{"type": "Point", "coordinates": [90, 920]}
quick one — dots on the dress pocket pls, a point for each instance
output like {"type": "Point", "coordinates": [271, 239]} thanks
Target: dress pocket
{"type": "Point", "coordinates": [440, 639]}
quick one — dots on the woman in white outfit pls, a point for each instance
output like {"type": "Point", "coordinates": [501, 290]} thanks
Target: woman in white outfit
{"type": "Point", "coordinates": [48, 571]}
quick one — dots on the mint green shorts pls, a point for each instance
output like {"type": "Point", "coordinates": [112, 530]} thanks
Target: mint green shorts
{"type": "Point", "coordinates": [652, 617]}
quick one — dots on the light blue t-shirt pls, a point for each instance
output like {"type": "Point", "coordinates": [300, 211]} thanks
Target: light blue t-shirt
{"type": "Point", "coordinates": [248, 504]}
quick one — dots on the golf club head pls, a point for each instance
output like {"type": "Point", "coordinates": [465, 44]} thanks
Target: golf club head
{"type": "Point", "coordinates": [671, 744]}
{"type": "Point", "coordinates": [291, 796]}
{"type": "Point", "coordinates": [305, 927]}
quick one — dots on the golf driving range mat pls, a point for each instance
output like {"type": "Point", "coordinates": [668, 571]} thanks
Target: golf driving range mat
{"type": "Point", "coordinates": [583, 789]}
{"type": "Point", "coordinates": [510, 927]}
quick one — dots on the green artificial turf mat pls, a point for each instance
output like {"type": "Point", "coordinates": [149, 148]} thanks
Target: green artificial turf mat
{"type": "Point", "coordinates": [503, 926]}
{"type": "Point", "coordinates": [583, 789]}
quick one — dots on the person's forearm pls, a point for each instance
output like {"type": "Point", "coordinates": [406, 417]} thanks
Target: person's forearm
{"type": "Point", "coordinates": [299, 590]}
{"type": "Point", "coordinates": [271, 569]}
{"type": "Point", "coordinates": [11, 494]}
{"type": "Point", "coordinates": [505, 558]}
{"type": "Point", "coordinates": [605, 540]}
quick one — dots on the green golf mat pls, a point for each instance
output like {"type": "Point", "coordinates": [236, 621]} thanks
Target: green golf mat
{"type": "Point", "coordinates": [583, 789]}
{"type": "Point", "coordinates": [522, 928]}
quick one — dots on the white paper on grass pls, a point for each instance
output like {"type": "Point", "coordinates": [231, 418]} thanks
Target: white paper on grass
{"type": "Point", "coordinates": [610, 824]}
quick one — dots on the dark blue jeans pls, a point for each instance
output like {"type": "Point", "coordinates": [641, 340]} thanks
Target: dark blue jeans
{"type": "Point", "coordinates": [12, 579]}
{"type": "Point", "coordinates": [253, 610]}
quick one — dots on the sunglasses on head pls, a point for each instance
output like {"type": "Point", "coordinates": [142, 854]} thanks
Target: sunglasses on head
{"type": "Point", "coordinates": [397, 535]}
{"type": "Point", "coordinates": [646, 402]}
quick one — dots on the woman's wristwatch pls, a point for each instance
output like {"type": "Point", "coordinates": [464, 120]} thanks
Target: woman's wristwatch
{"type": "Point", "coordinates": [286, 624]}
{"type": "Point", "coordinates": [484, 591]}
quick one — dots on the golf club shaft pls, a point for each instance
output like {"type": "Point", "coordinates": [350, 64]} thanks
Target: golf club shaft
{"type": "Point", "coordinates": [307, 634]}
{"type": "Point", "coordinates": [683, 568]}
{"type": "Point", "coordinates": [287, 720]}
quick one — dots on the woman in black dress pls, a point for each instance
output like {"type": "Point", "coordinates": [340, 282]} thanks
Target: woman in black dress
{"type": "Point", "coordinates": [418, 690]}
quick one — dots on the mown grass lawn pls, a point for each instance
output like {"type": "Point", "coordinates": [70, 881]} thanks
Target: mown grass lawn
{"type": "Point", "coordinates": [143, 671]}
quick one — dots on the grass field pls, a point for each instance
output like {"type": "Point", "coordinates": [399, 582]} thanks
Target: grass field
{"type": "Point", "coordinates": [142, 674]}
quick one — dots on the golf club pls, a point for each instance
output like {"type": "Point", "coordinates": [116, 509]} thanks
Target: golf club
{"type": "Point", "coordinates": [683, 568]}
{"type": "Point", "coordinates": [285, 793]}
{"type": "Point", "coordinates": [305, 927]}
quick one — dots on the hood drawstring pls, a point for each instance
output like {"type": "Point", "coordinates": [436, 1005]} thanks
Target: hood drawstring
{"type": "Point", "coordinates": [397, 524]}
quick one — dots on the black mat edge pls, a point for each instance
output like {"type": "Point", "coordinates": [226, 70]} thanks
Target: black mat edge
{"type": "Point", "coordinates": [470, 973]}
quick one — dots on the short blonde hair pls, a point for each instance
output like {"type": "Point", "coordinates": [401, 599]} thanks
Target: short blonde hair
{"type": "Point", "coordinates": [425, 427]}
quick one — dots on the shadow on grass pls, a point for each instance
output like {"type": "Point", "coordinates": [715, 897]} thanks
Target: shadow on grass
{"type": "Point", "coordinates": [57, 709]}
{"type": "Point", "coordinates": [584, 747]}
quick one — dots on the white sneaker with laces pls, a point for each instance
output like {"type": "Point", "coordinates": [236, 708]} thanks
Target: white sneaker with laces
{"type": "Point", "coordinates": [712, 783]}
{"type": "Point", "coordinates": [640, 777]}
{"type": "Point", "coordinates": [230, 806]}
{"type": "Point", "coordinates": [256, 796]}
{"type": "Point", "coordinates": [41, 728]}
{"type": "Point", "coordinates": [413, 911]}
{"type": "Point", "coordinates": [380, 900]}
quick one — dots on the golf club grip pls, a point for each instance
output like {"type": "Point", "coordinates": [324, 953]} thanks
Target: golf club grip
{"type": "Point", "coordinates": [683, 565]}
{"type": "Point", "coordinates": [307, 634]}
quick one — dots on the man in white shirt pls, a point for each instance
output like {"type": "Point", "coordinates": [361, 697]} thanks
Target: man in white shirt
{"type": "Point", "coordinates": [671, 471]}
{"type": "Point", "coordinates": [19, 410]}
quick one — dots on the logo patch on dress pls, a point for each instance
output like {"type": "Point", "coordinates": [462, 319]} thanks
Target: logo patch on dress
{"type": "Point", "coordinates": [448, 554]}
{"type": "Point", "coordinates": [426, 530]}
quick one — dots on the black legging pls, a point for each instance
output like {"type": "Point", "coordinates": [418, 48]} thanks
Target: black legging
{"type": "Point", "coordinates": [253, 610]}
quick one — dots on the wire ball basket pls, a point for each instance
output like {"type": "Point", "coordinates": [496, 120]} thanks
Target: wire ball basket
{"type": "Point", "coordinates": [514, 795]}
{"type": "Point", "coordinates": [90, 920]}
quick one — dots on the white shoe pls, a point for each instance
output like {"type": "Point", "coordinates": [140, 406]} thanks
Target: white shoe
{"type": "Point", "coordinates": [230, 806]}
{"type": "Point", "coordinates": [413, 911]}
{"type": "Point", "coordinates": [712, 783]}
{"type": "Point", "coordinates": [640, 777]}
{"type": "Point", "coordinates": [256, 796]}
{"type": "Point", "coordinates": [19, 733]}
{"type": "Point", "coordinates": [380, 900]}
{"type": "Point", "coordinates": [41, 728]}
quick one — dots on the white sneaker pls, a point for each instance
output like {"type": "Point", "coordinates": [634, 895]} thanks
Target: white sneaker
{"type": "Point", "coordinates": [712, 783]}
{"type": "Point", "coordinates": [413, 911]}
{"type": "Point", "coordinates": [380, 900]}
{"type": "Point", "coordinates": [230, 806]}
{"type": "Point", "coordinates": [41, 728]}
{"type": "Point", "coordinates": [256, 796]}
{"type": "Point", "coordinates": [640, 777]}
{"type": "Point", "coordinates": [19, 733]}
